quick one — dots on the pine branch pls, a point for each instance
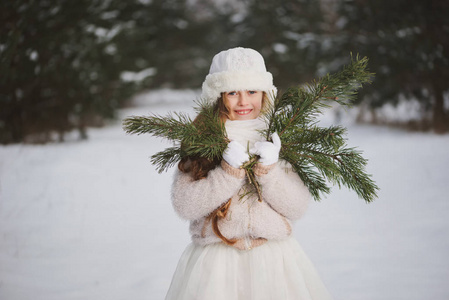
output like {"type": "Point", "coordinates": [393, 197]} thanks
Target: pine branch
{"type": "Point", "coordinates": [164, 160]}
{"type": "Point", "coordinates": [251, 176]}
{"type": "Point", "coordinates": [314, 151]}
{"type": "Point", "coordinates": [168, 127]}
{"type": "Point", "coordinates": [204, 138]}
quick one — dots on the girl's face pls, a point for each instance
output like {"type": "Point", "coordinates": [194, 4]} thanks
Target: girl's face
{"type": "Point", "coordinates": [244, 105]}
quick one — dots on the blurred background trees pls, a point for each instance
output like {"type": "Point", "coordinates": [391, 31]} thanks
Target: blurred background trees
{"type": "Point", "coordinates": [408, 46]}
{"type": "Point", "coordinates": [67, 65]}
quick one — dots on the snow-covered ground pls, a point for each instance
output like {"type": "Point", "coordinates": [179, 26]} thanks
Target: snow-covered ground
{"type": "Point", "coordinates": [92, 220]}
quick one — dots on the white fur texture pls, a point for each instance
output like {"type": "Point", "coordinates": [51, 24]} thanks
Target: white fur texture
{"type": "Point", "coordinates": [229, 81]}
{"type": "Point", "coordinates": [285, 199]}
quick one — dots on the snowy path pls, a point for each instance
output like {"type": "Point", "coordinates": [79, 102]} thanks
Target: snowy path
{"type": "Point", "coordinates": [93, 220]}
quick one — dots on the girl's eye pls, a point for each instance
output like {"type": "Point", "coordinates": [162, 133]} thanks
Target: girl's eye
{"type": "Point", "coordinates": [252, 92]}
{"type": "Point", "coordinates": [232, 93]}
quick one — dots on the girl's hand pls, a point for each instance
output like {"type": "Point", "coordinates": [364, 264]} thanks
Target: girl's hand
{"type": "Point", "coordinates": [268, 152]}
{"type": "Point", "coordinates": [235, 155]}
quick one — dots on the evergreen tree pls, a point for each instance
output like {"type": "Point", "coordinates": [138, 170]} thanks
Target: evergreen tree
{"type": "Point", "coordinates": [289, 34]}
{"type": "Point", "coordinates": [408, 45]}
{"type": "Point", "coordinates": [57, 66]}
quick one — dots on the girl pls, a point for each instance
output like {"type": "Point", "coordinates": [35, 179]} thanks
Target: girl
{"type": "Point", "coordinates": [242, 245]}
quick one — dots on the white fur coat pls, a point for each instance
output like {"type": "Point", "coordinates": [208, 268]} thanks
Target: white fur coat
{"type": "Point", "coordinates": [285, 197]}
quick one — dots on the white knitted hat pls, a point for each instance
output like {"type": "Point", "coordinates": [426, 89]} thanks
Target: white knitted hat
{"type": "Point", "coordinates": [237, 69]}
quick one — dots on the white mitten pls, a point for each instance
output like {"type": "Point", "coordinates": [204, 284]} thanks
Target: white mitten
{"type": "Point", "coordinates": [268, 152]}
{"type": "Point", "coordinates": [235, 155]}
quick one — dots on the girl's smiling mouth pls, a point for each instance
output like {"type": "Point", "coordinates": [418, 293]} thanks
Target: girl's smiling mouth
{"type": "Point", "coordinates": [243, 112]}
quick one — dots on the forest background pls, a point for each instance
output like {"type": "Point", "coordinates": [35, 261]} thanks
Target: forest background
{"type": "Point", "coordinates": [67, 65]}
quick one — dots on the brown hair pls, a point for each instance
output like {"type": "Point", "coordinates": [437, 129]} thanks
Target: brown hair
{"type": "Point", "coordinates": [199, 167]}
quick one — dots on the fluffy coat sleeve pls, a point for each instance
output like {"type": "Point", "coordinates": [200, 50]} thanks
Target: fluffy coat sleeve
{"type": "Point", "coordinates": [283, 190]}
{"type": "Point", "coordinates": [193, 199]}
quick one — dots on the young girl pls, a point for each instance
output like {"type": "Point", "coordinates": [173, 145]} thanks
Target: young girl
{"type": "Point", "coordinates": [242, 245]}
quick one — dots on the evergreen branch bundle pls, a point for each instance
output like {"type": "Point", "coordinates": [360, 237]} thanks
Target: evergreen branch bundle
{"type": "Point", "coordinates": [318, 155]}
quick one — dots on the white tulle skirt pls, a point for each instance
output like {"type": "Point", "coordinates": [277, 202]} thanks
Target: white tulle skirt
{"type": "Point", "coordinates": [277, 270]}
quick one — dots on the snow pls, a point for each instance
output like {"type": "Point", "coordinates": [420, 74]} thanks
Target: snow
{"type": "Point", "coordinates": [129, 76]}
{"type": "Point", "coordinates": [93, 219]}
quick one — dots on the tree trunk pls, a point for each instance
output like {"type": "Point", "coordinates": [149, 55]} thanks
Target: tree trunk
{"type": "Point", "coordinates": [439, 121]}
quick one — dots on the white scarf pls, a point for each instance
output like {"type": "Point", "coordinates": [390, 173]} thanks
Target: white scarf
{"type": "Point", "coordinates": [245, 132]}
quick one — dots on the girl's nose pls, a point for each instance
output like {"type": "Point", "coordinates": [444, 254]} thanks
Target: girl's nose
{"type": "Point", "coordinates": [243, 98]}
